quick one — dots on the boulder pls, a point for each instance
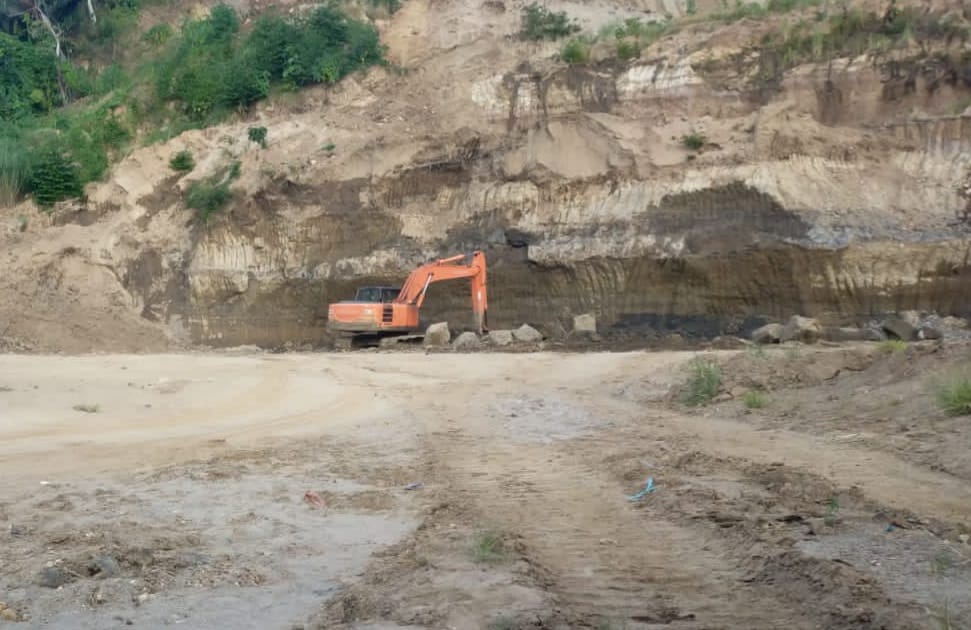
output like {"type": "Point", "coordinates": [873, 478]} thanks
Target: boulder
{"type": "Point", "coordinates": [466, 341]}
{"type": "Point", "coordinates": [527, 334]}
{"type": "Point", "coordinates": [872, 333]}
{"type": "Point", "coordinates": [437, 335]}
{"type": "Point", "coordinates": [770, 333]}
{"type": "Point", "coordinates": [803, 329]}
{"type": "Point", "coordinates": [585, 324]}
{"type": "Point", "coordinates": [899, 328]}
{"type": "Point", "coordinates": [500, 337]}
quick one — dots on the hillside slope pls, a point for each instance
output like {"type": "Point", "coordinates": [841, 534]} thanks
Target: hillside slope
{"type": "Point", "coordinates": [703, 185]}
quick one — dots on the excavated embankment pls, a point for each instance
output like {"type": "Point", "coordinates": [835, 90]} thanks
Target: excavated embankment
{"type": "Point", "coordinates": [830, 194]}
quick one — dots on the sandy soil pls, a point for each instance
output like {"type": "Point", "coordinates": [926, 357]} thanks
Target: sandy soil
{"type": "Point", "coordinates": [152, 490]}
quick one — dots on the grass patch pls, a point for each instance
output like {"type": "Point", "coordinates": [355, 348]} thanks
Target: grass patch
{"type": "Point", "coordinates": [87, 408]}
{"type": "Point", "coordinates": [832, 511]}
{"type": "Point", "coordinates": [703, 384]}
{"type": "Point", "coordinates": [742, 10]}
{"type": "Point", "coordinates": [755, 400]}
{"type": "Point", "coordinates": [694, 141]}
{"type": "Point", "coordinates": [954, 395]}
{"type": "Point", "coordinates": [14, 172]}
{"type": "Point", "coordinates": [891, 346]}
{"type": "Point", "coordinates": [488, 546]}
{"type": "Point", "coordinates": [854, 32]}
{"type": "Point", "coordinates": [757, 351]}
{"type": "Point", "coordinates": [182, 162]}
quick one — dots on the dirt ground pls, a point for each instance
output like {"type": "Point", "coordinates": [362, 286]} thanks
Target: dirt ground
{"type": "Point", "coordinates": [410, 490]}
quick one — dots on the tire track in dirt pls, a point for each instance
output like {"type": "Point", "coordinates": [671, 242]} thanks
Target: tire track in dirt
{"type": "Point", "coordinates": [606, 562]}
{"type": "Point", "coordinates": [885, 479]}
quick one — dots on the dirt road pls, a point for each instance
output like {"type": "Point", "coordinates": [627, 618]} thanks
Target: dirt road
{"type": "Point", "coordinates": [150, 490]}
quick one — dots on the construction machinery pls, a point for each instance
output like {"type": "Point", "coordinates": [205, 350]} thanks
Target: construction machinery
{"type": "Point", "coordinates": [380, 312]}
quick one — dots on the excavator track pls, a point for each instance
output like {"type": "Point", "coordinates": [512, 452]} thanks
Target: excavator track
{"type": "Point", "coordinates": [377, 340]}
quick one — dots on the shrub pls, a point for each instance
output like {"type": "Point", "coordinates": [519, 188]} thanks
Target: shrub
{"type": "Point", "coordinates": [755, 400]}
{"type": "Point", "coordinates": [207, 197]}
{"type": "Point", "coordinates": [182, 161]}
{"type": "Point", "coordinates": [212, 194]}
{"type": "Point", "coordinates": [538, 23]}
{"type": "Point", "coordinates": [954, 396]}
{"type": "Point", "coordinates": [694, 141]}
{"type": "Point", "coordinates": [703, 383]}
{"type": "Point", "coordinates": [158, 35]}
{"type": "Point", "coordinates": [575, 51]}
{"type": "Point", "coordinates": [14, 172]}
{"type": "Point", "coordinates": [54, 177]}
{"type": "Point", "coordinates": [257, 135]}
{"type": "Point", "coordinates": [627, 49]}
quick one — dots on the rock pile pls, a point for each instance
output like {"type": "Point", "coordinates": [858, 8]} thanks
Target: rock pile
{"type": "Point", "coordinates": [905, 326]}
{"type": "Point", "coordinates": [438, 336]}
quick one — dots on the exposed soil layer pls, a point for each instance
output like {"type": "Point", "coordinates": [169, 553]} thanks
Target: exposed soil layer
{"type": "Point", "coordinates": [487, 490]}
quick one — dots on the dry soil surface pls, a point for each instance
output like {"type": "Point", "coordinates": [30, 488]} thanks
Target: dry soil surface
{"type": "Point", "coordinates": [388, 490]}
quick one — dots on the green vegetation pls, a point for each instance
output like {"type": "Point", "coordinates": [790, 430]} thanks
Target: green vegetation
{"type": "Point", "coordinates": [742, 10]}
{"type": "Point", "coordinates": [14, 172]}
{"type": "Point", "coordinates": [755, 400]}
{"type": "Point", "coordinates": [210, 195]}
{"type": "Point", "coordinates": [694, 141]}
{"type": "Point", "coordinates": [853, 32]}
{"type": "Point", "coordinates": [891, 346]}
{"type": "Point", "coordinates": [832, 511]}
{"type": "Point", "coordinates": [63, 122]}
{"type": "Point", "coordinates": [703, 383]}
{"type": "Point", "coordinates": [182, 161]}
{"type": "Point", "coordinates": [632, 36]}
{"type": "Point", "coordinates": [257, 135]}
{"type": "Point", "coordinates": [488, 547]}
{"type": "Point", "coordinates": [577, 50]}
{"type": "Point", "coordinates": [954, 395]}
{"type": "Point", "coordinates": [539, 23]}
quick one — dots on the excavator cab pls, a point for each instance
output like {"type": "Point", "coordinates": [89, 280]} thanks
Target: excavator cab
{"type": "Point", "coordinates": [377, 295]}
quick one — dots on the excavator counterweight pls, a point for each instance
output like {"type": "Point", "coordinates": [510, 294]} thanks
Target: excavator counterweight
{"type": "Point", "coordinates": [386, 311]}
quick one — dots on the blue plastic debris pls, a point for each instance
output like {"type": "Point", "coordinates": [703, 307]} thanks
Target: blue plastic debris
{"type": "Point", "coordinates": [414, 486]}
{"type": "Point", "coordinates": [648, 488]}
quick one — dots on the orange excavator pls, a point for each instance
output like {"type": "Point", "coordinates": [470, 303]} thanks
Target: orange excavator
{"type": "Point", "coordinates": [382, 312]}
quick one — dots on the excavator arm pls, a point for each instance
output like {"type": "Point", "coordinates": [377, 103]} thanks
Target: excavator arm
{"type": "Point", "coordinates": [471, 266]}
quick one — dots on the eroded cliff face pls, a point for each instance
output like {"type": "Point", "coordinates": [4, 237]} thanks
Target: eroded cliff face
{"type": "Point", "coordinates": [831, 196]}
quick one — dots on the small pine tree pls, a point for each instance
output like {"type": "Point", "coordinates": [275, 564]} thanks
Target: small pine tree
{"type": "Point", "coordinates": [54, 178]}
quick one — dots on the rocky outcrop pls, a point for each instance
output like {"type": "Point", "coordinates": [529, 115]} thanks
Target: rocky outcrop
{"type": "Point", "coordinates": [573, 180]}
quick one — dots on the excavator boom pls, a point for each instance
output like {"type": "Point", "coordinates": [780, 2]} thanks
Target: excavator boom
{"type": "Point", "coordinates": [376, 312]}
